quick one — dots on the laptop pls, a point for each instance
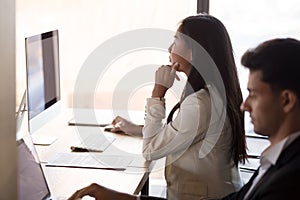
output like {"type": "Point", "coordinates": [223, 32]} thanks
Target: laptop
{"type": "Point", "coordinates": [32, 183]}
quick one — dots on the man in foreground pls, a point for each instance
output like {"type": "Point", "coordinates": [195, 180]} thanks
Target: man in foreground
{"type": "Point", "coordinates": [274, 106]}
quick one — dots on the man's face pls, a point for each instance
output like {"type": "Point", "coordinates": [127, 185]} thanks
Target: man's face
{"type": "Point", "coordinates": [263, 106]}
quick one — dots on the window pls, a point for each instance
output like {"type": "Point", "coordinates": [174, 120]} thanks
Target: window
{"type": "Point", "coordinates": [250, 22]}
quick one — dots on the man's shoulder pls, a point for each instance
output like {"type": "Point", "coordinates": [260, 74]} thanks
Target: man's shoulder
{"type": "Point", "coordinates": [291, 154]}
{"type": "Point", "coordinates": [283, 180]}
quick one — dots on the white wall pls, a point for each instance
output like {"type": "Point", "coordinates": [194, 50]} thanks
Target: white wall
{"type": "Point", "coordinates": [8, 165]}
{"type": "Point", "coordinates": [85, 24]}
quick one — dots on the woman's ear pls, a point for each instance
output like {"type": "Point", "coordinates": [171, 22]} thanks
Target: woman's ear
{"type": "Point", "coordinates": [289, 100]}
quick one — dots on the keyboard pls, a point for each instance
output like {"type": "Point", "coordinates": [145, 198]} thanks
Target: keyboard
{"type": "Point", "coordinates": [90, 160]}
{"type": "Point", "coordinates": [93, 142]}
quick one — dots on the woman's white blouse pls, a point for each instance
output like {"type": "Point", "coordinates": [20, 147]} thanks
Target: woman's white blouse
{"type": "Point", "coordinates": [196, 145]}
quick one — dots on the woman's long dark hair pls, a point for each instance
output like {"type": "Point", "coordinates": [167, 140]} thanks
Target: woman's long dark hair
{"type": "Point", "coordinates": [211, 34]}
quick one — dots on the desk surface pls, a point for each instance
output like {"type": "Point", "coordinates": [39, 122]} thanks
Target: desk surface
{"type": "Point", "coordinates": [64, 181]}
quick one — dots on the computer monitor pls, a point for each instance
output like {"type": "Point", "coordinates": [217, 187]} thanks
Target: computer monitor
{"type": "Point", "coordinates": [43, 79]}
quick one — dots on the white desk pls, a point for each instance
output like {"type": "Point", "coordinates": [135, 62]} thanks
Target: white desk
{"type": "Point", "coordinates": [65, 181]}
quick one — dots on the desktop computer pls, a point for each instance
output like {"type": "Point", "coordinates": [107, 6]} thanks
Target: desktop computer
{"type": "Point", "coordinates": [43, 82]}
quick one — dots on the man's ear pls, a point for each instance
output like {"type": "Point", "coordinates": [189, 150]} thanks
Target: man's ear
{"type": "Point", "coordinates": [289, 100]}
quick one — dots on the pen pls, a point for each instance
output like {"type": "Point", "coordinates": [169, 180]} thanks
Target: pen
{"type": "Point", "coordinates": [82, 149]}
{"type": "Point", "coordinates": [78, 149]}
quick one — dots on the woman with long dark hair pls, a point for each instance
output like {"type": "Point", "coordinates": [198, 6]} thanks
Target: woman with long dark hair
{"type": "Point", "coordinates": [205, 141]}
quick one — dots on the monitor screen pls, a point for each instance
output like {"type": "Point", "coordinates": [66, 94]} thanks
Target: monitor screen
{"type": "Point", "coordinates": [43, 78]}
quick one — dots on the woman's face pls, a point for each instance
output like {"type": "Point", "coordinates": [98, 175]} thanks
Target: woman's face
{"type": "Point", "coordinates": [180, 53]}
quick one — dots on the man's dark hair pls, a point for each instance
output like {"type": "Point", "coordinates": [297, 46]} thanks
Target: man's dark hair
{"type": "Point", "coordinates": [279, 62]}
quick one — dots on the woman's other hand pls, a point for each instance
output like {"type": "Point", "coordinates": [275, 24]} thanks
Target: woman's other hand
{"type": "Point", "coordinates": [129, 128]}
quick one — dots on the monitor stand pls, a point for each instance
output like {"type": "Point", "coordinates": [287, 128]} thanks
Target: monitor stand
{"type": "Point", "coordinates": [43, 139]}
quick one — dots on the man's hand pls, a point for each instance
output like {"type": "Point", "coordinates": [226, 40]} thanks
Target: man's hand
{"type": "Point", "coordinates": [100, 193]}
